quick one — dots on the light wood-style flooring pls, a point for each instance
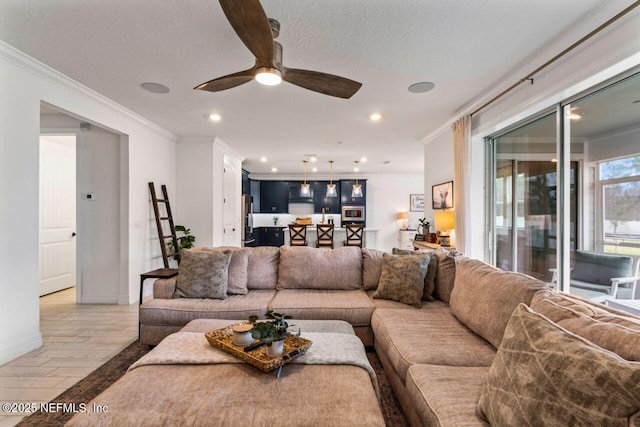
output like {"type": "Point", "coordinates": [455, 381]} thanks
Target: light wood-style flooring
{"type": "Point", "coordinates": [78, 338]}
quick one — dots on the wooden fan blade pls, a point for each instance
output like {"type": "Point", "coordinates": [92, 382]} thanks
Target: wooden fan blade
{"type": "Point", "coordinates": [250, 22]}
{"type": "Point", "coordinates": [327, 84]}
{"type": "Point", "coordinates": [229, 81]}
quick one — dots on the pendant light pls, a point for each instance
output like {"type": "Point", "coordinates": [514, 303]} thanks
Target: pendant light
{"type": "Point", "coordinates": [331, 187]}
{"type": "Point", "coordinates": [356, 191]}
{"type": "Point", "coordinates": [305, 191]}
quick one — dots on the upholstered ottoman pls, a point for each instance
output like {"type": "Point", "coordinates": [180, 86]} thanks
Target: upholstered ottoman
{"type": "Point", "coordinates": [158, 392]}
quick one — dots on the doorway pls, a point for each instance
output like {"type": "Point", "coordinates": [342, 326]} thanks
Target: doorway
{"type": "Point", "coordinates": [57, 212]}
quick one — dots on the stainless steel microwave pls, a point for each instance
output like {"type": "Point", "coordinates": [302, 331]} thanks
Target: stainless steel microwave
{"type": "Point", "coordinates": [353, 213]}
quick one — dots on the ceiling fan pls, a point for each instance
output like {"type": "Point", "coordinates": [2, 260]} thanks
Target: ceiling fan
{"type": "Point", "coordinates": [258, 32]}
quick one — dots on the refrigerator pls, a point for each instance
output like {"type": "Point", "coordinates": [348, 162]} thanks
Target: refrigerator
{"type": "Point", "coordinates": [248, 236]}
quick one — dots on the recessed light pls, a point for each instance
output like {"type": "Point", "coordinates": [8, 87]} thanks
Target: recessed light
{"type": "Point", "coordinates": [375, 117]}
{"type": "Point", "coordinates": [263, 159]}
{"type": "Point", "coordinates": [340, 142]}
{"type": "Point", "coordinates": [155, 88]}
{"type": "Point", "coordinates": [421, 87]}
{"type": "Point", "coordinates": [274, 169]}
{"type": "Point", "coordinates": [314, 170]}
{"type": "Point", "coordinates": [386, 162]}
{"type": "Point", "coordinates": [215, 117]}
{"type": "Point", "coordinates": [363, 159]}
{"type": "Point", "coordinates": [313, 159]}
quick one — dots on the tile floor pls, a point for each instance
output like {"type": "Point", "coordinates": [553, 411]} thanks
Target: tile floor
{"type": "Point", "coordinates": [78, 338]}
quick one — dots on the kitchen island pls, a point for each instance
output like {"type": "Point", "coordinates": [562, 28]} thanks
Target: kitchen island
{"type": "Point", "coordinates": [339, 236]}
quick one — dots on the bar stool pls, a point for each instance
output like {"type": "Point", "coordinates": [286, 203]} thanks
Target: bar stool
{"type": "Point", "coordinates": [298, 234]}
{"type": "Point", "coordinates": [355, 234]}
{"type": "Point", "coordinates": [325, 236]}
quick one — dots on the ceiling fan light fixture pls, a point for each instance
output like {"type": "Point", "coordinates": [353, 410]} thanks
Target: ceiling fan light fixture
{"type": "Point", "coordinates": [268, 76]}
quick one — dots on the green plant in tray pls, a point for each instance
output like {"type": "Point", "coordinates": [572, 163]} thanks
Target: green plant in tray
{"type": "Point", "coordinates": [274, 329]}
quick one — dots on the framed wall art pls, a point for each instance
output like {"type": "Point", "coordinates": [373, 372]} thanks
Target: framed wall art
{"type": "Point", "coordinates": [416, 202]}
{"type": "Point", "coordinates": [442, 195]}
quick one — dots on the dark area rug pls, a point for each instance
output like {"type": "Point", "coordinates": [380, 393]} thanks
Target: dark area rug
{"type": "Point", "coordinates": [98, 381]}
{"type": "Point", "coordinates": [88, 387]}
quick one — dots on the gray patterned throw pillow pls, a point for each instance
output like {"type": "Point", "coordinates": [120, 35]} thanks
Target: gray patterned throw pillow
{"type": "Point", "coordinates": [402, 278]}
{"type": "Point", "coordinates": [203, 274]}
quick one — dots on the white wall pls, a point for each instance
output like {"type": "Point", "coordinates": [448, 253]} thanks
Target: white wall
{"type": "Point", "coordinates": [438, 167]}
{"type": "Point", "coordinates": [150, 156]}
{"type": "Point", "coordinates": [621, 144]}
{"type": "Point", "coordinates": [609, 53]}
{"type": "Point", "coordinates": [194, 202]}
{"type": "Point", "coordinates": [200, 189]}
{"type": "Point", "coordinates": [98, 221]}
{"type": "Point", "coordinates": [386, 196]}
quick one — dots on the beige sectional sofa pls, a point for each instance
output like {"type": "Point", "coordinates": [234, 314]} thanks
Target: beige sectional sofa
{"type": "Point", "coordinates": [441, 357]}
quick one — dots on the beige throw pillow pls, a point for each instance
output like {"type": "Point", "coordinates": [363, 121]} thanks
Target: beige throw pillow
{"type": "Point", "coordinates": [402, 278]}
{"type": "Point", "coordinates": [203, 274]}
{"type": "Point", "coordinates": [543, 375]}
{"type": "Point", "coordinates": [430, 278]}
{"type": "Point", "coordinates": [238, 275]}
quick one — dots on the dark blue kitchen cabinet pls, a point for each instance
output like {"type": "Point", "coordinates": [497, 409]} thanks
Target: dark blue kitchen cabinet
{"type": "Point", "coordinates": [274, 197]}
{"type": "Point", "coordinates": [346, 185]}
{"type": "Point", "coordinates": [320, 199]}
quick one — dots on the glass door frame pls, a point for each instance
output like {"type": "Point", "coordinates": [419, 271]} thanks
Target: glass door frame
{"type": "Point", "coordinates": [563, 153]}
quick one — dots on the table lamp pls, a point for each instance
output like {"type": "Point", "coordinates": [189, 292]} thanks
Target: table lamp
{"type": "Point", "coordinates": [404, 216]}
{"type": "Point", "coordinates": [445, 221]}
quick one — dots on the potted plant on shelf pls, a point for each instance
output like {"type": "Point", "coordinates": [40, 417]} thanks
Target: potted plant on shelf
{"type": "Point", "coordinates": [271, 332]}
{"type": "Point", "coordinates": [423, 229]}
{"type": "Point", "coordinates": [185, 241]}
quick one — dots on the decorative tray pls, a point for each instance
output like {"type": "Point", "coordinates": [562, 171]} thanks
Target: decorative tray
{"type": "Point", "coordinates": [293, 347]}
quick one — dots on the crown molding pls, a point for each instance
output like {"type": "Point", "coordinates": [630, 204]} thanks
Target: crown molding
{"type": "Point", "coordinates": [43, 71]}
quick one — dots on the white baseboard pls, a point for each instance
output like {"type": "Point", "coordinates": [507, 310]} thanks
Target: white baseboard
{"type": "Point", "coordinates": [20, 347]}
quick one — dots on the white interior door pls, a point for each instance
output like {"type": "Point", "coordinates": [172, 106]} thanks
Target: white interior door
{"type": "Point", "coordinates": [57, 212]}
{"type": "Point", "coordinates": [229, 212]}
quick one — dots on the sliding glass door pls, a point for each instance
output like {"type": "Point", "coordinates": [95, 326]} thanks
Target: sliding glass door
{"type": "Point", "coordinates": [561, 188]}
{"type": "Point", "coordinates": [525, 172]}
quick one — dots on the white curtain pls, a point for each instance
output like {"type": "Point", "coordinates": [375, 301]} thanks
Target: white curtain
{"type": "Point", "coordinates": [462, 183]}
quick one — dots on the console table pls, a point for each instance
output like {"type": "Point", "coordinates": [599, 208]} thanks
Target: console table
{"type": "Point", "coordinates": [421, 244]}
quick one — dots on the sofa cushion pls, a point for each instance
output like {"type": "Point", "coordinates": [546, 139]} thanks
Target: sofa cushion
{"type": "Point", "coordinates": [430, 278]}
{"type": "Point", "coordinates": [617, 333]}
{"type": "Point", "coordinates": [203, 274]}
{"type": "Point", "coordinates": [262, 268]}
{"type": "Point", "coordinates": [546, 375]}
{"type": "Point", "coordinates": [181, 311]}
{"type": "Point", "coordinates": [371, 268]}
{"type": "Point", "coordinates": [354, 307]}
{"type": "Point", "coordinates": [237, 268]}
{"type": "Point", "coordinates": [430, 335]}
{"type": "Point", "coordinates": [402, 278]}
{"type": "Point", "coordinates": [320, 268]}
{"type": "Point", "coordinates": [484, 297]}
{"type": "Point", "coordinates": [446, 396]}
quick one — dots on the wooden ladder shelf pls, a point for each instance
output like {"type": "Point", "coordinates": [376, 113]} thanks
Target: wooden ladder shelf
{"type": "Point", "coordinates": [159, 223]}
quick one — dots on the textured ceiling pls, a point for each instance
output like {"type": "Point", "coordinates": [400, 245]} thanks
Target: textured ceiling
{"type": "Point", "coordinates": [465, 47]}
